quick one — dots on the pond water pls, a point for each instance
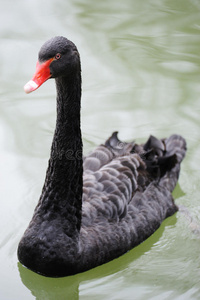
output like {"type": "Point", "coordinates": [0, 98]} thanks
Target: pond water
{"type": "Point", "coordinates": [141, 75]}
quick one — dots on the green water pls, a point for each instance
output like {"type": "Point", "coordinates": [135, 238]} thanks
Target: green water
{"type": "Point", "coordinates": [141, 76]}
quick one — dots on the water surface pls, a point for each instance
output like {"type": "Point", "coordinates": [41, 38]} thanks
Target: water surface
{"type": "Point", "coordinates": [140, 67]}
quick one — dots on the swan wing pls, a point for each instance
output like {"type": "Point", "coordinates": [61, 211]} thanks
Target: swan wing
{"type": "Point", "coordinates": [117, 174]}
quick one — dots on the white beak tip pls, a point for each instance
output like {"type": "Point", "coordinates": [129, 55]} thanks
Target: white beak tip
{"type": "Point", "coordinates": [30, 86]}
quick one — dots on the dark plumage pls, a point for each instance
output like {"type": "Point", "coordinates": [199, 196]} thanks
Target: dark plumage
{"type": "Point", "coordinates": [86, 218]}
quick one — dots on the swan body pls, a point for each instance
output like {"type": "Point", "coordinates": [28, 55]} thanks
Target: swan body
{"type": "Point", "coordinates": [96, 208]}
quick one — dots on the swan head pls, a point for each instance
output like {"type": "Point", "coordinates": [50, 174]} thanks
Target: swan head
{"type": "Point", "coordinates": [58, 57]}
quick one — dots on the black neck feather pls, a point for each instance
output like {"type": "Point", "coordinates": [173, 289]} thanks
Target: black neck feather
{"type": "Point", "coordinates": [62, 191]}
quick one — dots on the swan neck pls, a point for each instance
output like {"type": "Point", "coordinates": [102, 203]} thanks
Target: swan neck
{"type": "Point", "coordinates": [62, 191]}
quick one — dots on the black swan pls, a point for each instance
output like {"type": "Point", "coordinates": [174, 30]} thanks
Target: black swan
{"type": "Point", "coordinates": [96, 208]}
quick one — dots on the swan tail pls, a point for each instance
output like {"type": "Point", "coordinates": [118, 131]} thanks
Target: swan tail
{"type": "Point", "coordinates": [162, 159]}
{"type": "Point", "coordinates": [175, 147]}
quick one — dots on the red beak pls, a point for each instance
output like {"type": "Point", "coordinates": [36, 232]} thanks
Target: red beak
{"type": "Point", "coordinates": [42, 73]}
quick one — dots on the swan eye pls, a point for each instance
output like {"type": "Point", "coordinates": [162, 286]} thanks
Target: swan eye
{"type": "Point", "coordinates": [57, 56]}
